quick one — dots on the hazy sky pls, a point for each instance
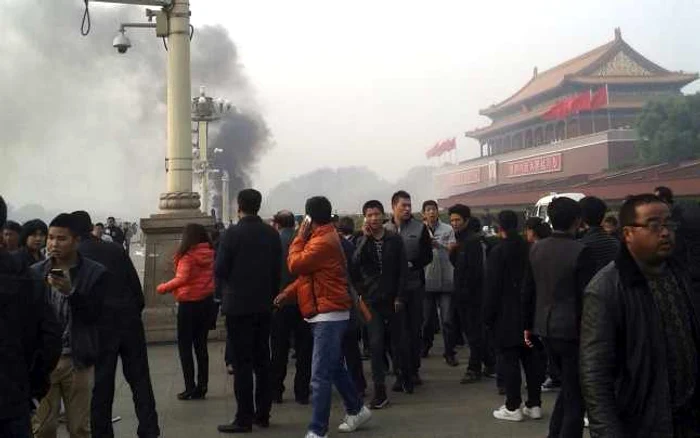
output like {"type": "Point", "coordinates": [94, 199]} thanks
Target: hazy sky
{"type": "Point", "coordinates": [370, 83]}
{"type": "Point", "coordinates": [378, 82]}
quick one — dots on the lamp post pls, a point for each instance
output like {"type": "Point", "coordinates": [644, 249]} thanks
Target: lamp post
{"type": "Point", "coordinates": [206, 109]}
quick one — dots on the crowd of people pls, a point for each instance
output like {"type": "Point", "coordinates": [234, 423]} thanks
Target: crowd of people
{"type": "Point", "coordinates": [602, 307]}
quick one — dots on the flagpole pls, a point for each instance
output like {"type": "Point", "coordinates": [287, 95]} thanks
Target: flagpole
{"type": "Point", "coordinates": [607, 105]}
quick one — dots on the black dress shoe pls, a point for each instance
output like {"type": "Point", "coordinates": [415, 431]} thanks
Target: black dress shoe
{"type": "Point", "coordinates": [416, 380]}
{"type": "Point", "coordinates": [262, 422]}
{"type": "Point", "coordinates": [186, 395]}
{"type": "Point", "coordinates": [199, 393]}
{"type": "Point", "coordinates": [234, 428]}
{"type": "Point", "coordinates": [398, 385]}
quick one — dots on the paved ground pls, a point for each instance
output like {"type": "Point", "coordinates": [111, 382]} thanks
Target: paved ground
{"type": "Point", "coordinates": [442, 408]}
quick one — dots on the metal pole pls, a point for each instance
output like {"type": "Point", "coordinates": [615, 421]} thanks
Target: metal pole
{"type": "Point", "coordinates": [162, 3]}
{"type": "Point", "coordinates": [225, 203]}
{"type": "Point", "coordinates": [179, 155]}
{"type": "Point", "coordinates": [203, 131]}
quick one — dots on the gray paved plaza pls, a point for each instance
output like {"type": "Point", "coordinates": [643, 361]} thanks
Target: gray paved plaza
{"type": "Point", "coordinates": [442, 408]}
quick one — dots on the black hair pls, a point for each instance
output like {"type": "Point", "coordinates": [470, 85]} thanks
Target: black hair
{"type": "Point", "coordinates": [372, 204]}
{"type": "Point", "coordinates": [65, 220]}
{"type": "Point", "coordinates": [83, 222]}
{"type": "Point", "coordinates": [508, 220]}
{"type": "Point", "coordinates": [612, 220]}
{"type": "Point", "coordinates": [628, 211]}
{"type": "Point", "coordinates": [474, 224]}
{"type": "Point", "coordinates": [430, 203]}
{"type": "Point", "coordinates": [320, 209]}
{"type": "Point", "coordinates": [539, 227]}
{"type": "Point", "coordinates": [346, 225]}
{"type": "Point", "coordinates": [13, 226]}
{"type": "Point", "coordinates": [3, 212]}
{"type": "Point", "coordinates": [563, 213]}
{"type": "Point", "coordinates": [284, 219]}
{"type": "Point", "coordinates": [112, 218]}
{"type": "Point", "coordinates": [665, 194]}
{"type": "Point", "coordinates": [100, 224]}
{"type": "Point", "coordinates": [192, 235]}
{"type": "Point", "coordinates": [593, 210]}
{"type": "Point", "coordinates": [249, 201]}
{"type": "Point", "coordinates": [31, 227]}
{"type": "Point", "coordinates": [401, 194]}
{"type": "Point", "coordinates": [461, 210]}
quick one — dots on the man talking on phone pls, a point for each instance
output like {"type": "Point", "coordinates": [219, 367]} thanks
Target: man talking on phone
{"type": "Point", "coordinates": [73, 286]}
{"type": "Point", "coordinates": [419, 252]}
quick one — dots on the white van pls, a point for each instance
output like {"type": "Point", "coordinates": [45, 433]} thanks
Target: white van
{"type": "Point", "coordinates": [540, 209]}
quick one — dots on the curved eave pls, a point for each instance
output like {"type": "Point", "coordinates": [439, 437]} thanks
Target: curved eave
{"type": "Point", "coordinates": [681, 79]}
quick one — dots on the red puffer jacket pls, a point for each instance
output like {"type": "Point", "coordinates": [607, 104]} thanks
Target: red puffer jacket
{"type": "Point", "coordinates": [321, 285]}
{"type": "Point", "coordinates": [194, 275]}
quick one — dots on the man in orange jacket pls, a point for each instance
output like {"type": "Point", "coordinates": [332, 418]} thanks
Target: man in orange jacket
{"type": "Point", "coordinates": [321, 290]}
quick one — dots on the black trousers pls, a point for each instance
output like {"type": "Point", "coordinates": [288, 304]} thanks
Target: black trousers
{"type": "Point", "coordinates": [193, 323]}
{"type": "Point", "coordinates": [411, 325]}
{"type": "Point", "coordinates": [250, 339]}
{"type": "Point", "coordinates": [480, 349]}
{"type": "Point", "coordinates": [386, 335]}
{"type": "Point", "coordinates": [567, 416]}
{"type": "Point", "coordinates": [287, 322]}
{"type": "Point", "coordinates": [353, 357]}
{"type": "Point", "coordinates": [17, 427]}
{"type": "Point", "coordinates": [510, 360]}
{"type": "Point", "coordinates": [432, 301]}
{"type": "Point", "coordinates": [122, 336]}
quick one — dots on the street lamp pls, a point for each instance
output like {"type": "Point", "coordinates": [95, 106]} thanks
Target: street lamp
{"type": "Point", "coordinates": [206, 109]}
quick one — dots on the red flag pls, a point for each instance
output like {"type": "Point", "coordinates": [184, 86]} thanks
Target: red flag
{"type": "Point", "coordinates": [432, 151]}
{"type": "Point", "coordinates": [450, 144]}
{"type": "Point", "coordinates": [582, 102]}
{"type": "Point", "coordinates": [559, 110]}
{"type": "Point", "coordinates": [600, 98]}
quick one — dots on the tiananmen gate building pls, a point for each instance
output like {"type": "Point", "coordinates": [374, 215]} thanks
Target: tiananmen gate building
{"type": "Point", "coordinates": [567, 130]}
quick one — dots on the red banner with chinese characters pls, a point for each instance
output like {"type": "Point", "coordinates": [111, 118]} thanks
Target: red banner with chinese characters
{"type": "Point", "coordinates": [533, 166]}
{"type": "Point", "coordinates": [462, 178]}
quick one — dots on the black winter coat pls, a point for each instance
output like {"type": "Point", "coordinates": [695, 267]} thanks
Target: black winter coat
{"type": "Point", "coordinates": [248, 266]}
{"type": "Point", "coordinates": [30, 339]}
{"type": "Point", "coordinates": [380, 288]}
{"type": "Point", "coordinates": [468, 261]}
{"type": "Point", "coordinates": [506, 266]}
{"type": "Point", "coordinates": [623, 367]}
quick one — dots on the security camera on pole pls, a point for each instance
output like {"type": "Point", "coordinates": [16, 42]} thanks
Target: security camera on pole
{"type": "Point", "coordinates": [179, 205]}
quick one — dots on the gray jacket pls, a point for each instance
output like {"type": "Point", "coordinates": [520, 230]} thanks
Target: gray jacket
{"type": "Point", "coordinates": [439, 275]}
{"type": "Point", "coordinates": [419, 250]}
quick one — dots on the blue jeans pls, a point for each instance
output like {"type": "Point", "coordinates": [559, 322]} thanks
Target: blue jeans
{"type": "Point", "coordinates": [328, 368]}
{"type": "Point", "coordinates": [18, 427]}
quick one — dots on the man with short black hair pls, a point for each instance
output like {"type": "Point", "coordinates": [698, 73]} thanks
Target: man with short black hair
{"type": "Point", "coordinates": [74, 286]}
{"type": "Point", "coordinates": [603, 247]}
{"type": "Point", "coordinates": [30, 341]}
{"type": "Point", "coordinates": [439, 285]}
{"type": "Point", "coordinates": [32, 241]}
{"type": "Point", "coordinates": [419, 253]}
{"type": "Point", "coordinates": [287, 323]}
{"type": "Point", "coordinates": [379, 269]}
{"type": "Point", "coordinates": [122, 336]}
{"type": "Point", "coordinates": [248, 267]}
{"type": "Point", "coordinates": [468, 260]}
{"type": "Point", "coordinates": [640, 334]}
{"type": "Point", "coordinates": [114, 231]}
{"type": "Point", "coordinates": [98, 231]}
{"type": "Point", "coordinates": [506, 267]}
{"type": "Point", "coordinates": [560, 269]}
{"type": "Point", "coordinates": [10, 235]}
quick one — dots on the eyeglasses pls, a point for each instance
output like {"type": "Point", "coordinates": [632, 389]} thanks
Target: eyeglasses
{"type": "Point", "coordinates": [655, 227]}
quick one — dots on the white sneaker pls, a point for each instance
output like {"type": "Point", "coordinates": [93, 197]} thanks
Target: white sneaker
{"type": "Point", "coordinates": [534, 412]}
{"type": "Point", "coordinates": [310, 434]}
{"type": "Point", "coordinates": [353, 422]}
{"type": "Point", "coordinates": [586, 423]}
{"type": "Point", "coordinates": [504, 414]}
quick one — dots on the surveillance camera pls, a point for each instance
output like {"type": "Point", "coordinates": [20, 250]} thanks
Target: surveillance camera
{"type": "Point", "coordinates": [121, 42]}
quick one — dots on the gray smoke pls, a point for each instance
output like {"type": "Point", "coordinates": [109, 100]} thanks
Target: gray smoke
{"type": "Point", "coordinates": [84, 127]}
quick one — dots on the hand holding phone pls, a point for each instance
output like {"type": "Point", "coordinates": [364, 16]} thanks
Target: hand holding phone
{"type": "Point", "coordinates": [59, 281]}
{"type": "Point", "coordinates": [305, 227]}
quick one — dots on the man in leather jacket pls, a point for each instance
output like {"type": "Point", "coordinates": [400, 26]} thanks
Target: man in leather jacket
{"type": "Point", "coordinates": [640, 334]}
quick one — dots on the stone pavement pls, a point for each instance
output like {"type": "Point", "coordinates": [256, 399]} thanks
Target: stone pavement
{"type": "Point", "coordinates": [441, 408]}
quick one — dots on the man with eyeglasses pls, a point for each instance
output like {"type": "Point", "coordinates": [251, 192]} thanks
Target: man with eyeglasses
{"type": "Point", "coordinates": [640, 334]}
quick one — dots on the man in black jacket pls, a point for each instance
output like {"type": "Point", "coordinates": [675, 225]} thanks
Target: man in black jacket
{"type": "Point", "coordinates": [248, 267]}
{"type": "Point", "coordinates": [560, 269]}
{"type": "Point", "coordinates": [640, 334]}
{"type": "Point", "coordinates": [121, 334]}
{"type": "Point", "coordinates": [378, 270]}
{"type": "Point", "coordinates": [468, 259]}
{"type": "Point", "coordinates": [603, 246]}
{"type": "Point", "coordinates": [73, 286]}
{"type": "Point", "coordinates": [287, 323]}
{"type": "Point", "coordinates": [419, 252]}
{"type": "Point", "coordinates": [507, 264]}
{"type": "Point", "coordinates": [30, 343]}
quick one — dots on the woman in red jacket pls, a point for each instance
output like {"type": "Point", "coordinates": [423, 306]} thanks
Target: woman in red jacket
{"type": "Point", "coordinates": [193, 288]}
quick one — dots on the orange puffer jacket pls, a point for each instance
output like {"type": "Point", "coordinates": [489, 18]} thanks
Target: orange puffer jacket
{"type": "Point", "coordinates": [321, 285]}
{"type": "Point", "coordinates": [194, 275]}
